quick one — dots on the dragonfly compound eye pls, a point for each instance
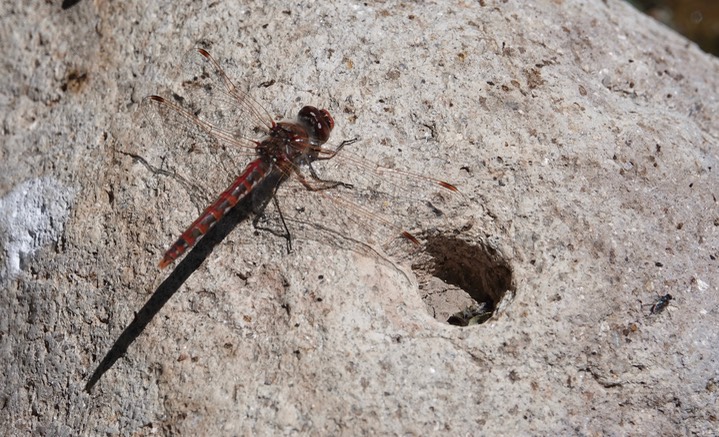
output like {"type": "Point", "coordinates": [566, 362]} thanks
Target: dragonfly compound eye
{"type": "Point", "coordinates": [319, 123]}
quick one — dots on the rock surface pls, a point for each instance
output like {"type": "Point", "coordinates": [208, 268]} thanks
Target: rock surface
{"type": "Point", "coordinates": [582, 135]}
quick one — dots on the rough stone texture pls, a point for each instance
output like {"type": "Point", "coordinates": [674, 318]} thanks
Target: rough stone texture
{"type": "Point", "coordinates": [582, 134]}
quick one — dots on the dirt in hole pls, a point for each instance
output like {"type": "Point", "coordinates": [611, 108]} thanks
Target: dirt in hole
{"type": "Point", "coordinates": [461, 282]}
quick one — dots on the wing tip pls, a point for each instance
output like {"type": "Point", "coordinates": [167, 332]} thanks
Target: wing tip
{"type": "Point", "coordinates": [410, 237]}
{"type": "Point", "coordinates": [448, 186]}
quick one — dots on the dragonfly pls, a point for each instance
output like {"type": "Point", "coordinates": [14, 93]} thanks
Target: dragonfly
{"type": "Point", "coordinates": [286, 151]}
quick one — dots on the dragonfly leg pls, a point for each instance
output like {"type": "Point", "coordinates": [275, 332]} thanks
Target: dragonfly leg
{"type": "Point", "coordinates": [337, 150]}
{"type": "Point", "coordinates": [288, 235]}
{"type": "Point", "coordinates": [324, 184]}
{"type": "Point", "coordinates": [260, 213]}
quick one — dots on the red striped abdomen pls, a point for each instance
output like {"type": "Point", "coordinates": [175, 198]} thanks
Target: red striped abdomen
{"type": "Point", "coordinates": [254, 173]}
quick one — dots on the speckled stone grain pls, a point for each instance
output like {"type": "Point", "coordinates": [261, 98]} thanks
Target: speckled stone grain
{"type": "Point", "coordinates": [581, 134]}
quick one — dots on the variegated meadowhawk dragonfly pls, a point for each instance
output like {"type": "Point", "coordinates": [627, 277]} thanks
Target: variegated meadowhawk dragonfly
{"type": "Point", "coordinates": [286, 153]}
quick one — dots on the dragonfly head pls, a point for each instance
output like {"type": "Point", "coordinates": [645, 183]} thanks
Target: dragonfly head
{"type": "Point", "coordinates": [318, 122]}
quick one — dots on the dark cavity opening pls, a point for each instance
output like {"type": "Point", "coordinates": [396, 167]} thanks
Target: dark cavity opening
{"type": "Point", "coordinates": [462, 283]}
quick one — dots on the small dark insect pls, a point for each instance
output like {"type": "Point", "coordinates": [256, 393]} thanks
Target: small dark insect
{"type": "Point", "coordinates": [661, 304]}
{"type": "Point", "coordinates": [472, 315]}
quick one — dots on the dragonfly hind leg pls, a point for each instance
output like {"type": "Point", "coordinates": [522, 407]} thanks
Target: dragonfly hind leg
{"type": "Point", "coordinates": [260, 213]}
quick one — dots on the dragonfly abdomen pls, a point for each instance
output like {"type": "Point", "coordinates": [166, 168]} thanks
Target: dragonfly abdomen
{"type": "Point", "coordinates": [253, 174]}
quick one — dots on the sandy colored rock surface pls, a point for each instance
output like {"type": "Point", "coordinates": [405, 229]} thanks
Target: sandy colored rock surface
{"type": "Point", "coordinates": [583, 138]}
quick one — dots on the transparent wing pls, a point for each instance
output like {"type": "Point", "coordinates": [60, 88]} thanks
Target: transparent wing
{"type": "Point", "coordinates": [206, 127]}
{"type": "Point", "coordinates": [385, 206]}
{"type": "Point", "coordinates": [203, 102]}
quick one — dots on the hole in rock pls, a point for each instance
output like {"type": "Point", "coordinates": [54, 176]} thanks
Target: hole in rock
{"type": "Point", "coordinates": [462, 283]}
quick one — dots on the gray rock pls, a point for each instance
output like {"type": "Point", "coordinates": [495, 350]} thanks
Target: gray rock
{"type": "Point", "coordinates": [583, 139]}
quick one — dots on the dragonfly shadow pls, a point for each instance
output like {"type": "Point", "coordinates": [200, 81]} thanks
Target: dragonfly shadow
{"type": "Point", "coordinates": [250, 205]}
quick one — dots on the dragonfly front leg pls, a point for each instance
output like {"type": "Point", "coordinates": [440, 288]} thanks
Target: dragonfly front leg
{"type": "Point", "coordinates": [326, 184]}
{"type": "Point", "coordinates": [337, 150]}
